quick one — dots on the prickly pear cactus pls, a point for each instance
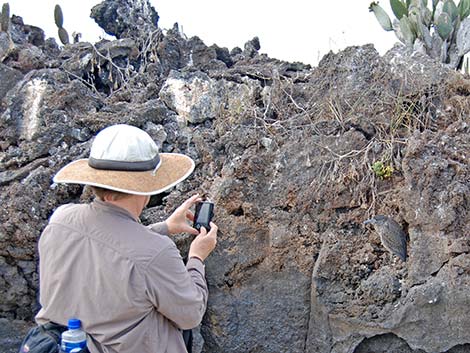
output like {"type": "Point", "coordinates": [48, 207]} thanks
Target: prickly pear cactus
{"type": "Point", "coordinates": [63, 35]}
{"type": "Point", "coordinates": [59, 21]}
{"type": "Point", "coordinates": [444, 26]}
{"type": "Point", "coordinates": [5, 18]}
{"type": "Point", "coordinates": [58, 16]}
{"type": "Point", "coordinates": [416, 24]}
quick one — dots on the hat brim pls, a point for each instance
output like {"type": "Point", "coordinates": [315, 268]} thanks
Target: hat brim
{"type": "Point", "coordinates": [173, 169]}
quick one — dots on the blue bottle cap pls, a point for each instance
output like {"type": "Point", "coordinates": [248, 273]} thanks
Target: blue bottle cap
{"type": "Point", "coordinates": [74, 324]}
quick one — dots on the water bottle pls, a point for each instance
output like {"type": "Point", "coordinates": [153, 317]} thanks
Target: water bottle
{"type": "Point", "coordinates": [74, 339]}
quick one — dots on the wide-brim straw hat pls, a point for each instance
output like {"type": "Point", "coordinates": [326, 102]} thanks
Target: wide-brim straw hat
{"type": "Point", "coordinates": [125, 158]}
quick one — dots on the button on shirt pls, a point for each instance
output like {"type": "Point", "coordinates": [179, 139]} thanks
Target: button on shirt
{"type": "Point", "coordinates": [126, 282]}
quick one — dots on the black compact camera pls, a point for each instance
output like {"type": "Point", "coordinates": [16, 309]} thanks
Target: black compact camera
{"type": "Point", "coordinates": [203, 215]}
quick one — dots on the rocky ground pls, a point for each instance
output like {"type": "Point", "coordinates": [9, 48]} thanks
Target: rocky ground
{"type": "Point", "coordinates": [295, 158]}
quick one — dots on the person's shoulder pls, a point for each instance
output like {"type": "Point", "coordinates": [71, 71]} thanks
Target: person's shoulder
{"type": "Point", "coordinates": [147, 245]}
{"type": "Point", "coordinates": [155, 237]}
{"type": "Point", "coordinates": [65, 210]}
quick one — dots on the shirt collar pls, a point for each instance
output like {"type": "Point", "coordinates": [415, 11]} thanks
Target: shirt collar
{"type": "Point", "coordinates": [108, 207]}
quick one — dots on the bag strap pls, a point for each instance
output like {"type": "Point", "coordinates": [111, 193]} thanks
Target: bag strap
{"type": "Point", "coordinates": [53, 330]}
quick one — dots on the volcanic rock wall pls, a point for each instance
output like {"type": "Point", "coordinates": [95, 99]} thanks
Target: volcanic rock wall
{"type": "Point", "coordinates": [287, 152]}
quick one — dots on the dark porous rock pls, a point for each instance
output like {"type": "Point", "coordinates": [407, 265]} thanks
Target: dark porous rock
{"type": "Point", "coordinates": [237, 55]}
{"type": "Point", "coordinates": [9, 79]}
{"type": "Point", "coordinates": [381, 286]}
{"type": "Point", "coordinates": [51, 49]}
{"type": "Point", "coordinates": [415, 69]}
{"type": "Point", "coordinates": [437, 164]}
{"type": "Point", "coordinates": [13, 281]}
{"type": "Point", "coordinates": [125, 18]}
{"type": "Point", "coordinates": [429, 254]}
{"type": "Point", "coordinates": [125, 47]}
{"type": "Point", "coordinates": [231, 322]}
{"type": "Point", "coordinates": [157, 132]}
{"type": "Point", "coordinates": [153, 111]}
{"type": "Point", "coordinates": [41, 114]}
{"type": "Point", "coordinates": [355, 69]}
{"type": "Point", "coordinates": [384, 344]}
{"type": "Point", "coordinates": [223, 55]}
{"type": "Point", "coordinates": [134, 113]}
{"type": "Point", "coordinates": [203, 57]}
{"type": "Point", "coordinates": [431, 310]}
{"type": "Point", "coordinates": [460, 348]}
{"type": "Point", "coordinates": [77, 59]}
{"type": "Point", "coordinates": [5, 45]}
{"type": "Point", "coordinates": [23, 34]}
{"type": "Point", "coordinates": [12, 333]}
{"type": "Point", "coordinates": [251, 47]}
{"type": "Point", "coordinates": [28, 57]}
{"type": "Point", "coordinates": [173, 51]}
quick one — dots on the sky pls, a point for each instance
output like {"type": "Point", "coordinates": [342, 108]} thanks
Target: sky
{"type": "Point", "coordinates": [294, 30]}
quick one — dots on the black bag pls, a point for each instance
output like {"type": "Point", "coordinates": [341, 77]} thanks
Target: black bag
{"type": "Point", "coordinates": [44, 339]}
{"type": "Point", "coordinates": [188, 340]}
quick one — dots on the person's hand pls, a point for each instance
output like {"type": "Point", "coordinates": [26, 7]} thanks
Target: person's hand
{"type": "Point", "coordinates": [178, 221]}
{"type": "Point", "coordinates": [204, 243]}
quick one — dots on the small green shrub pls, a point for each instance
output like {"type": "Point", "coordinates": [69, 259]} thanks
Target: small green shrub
{"type": "Point", "coordinates": [381, 170]}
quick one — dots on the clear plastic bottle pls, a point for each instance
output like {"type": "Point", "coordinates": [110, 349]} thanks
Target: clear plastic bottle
{"type": "Point", "coordinates": [74, 339]}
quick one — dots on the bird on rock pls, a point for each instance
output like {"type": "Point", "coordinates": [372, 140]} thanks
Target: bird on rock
{"type": "Point", "coordinates": [392, 236]}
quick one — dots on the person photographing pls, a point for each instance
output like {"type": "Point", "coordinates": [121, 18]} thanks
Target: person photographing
{"type": "Point", "coordinates": [126, 282]}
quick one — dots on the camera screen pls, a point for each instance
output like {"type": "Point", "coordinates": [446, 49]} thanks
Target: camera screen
{"type": "Point", "coordinates": [204, 212]}
{"type": "Point", "coordinates": [203, 216]}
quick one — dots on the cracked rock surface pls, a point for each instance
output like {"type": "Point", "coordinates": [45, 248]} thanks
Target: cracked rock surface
{"type": "Point", "coordinates": [295, 158]}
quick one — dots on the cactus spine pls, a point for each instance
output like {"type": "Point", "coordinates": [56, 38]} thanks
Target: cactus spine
{"type": "Point", "coordinates": [59, 21]}
{"type": "Point", "coordinates": [441, 29]}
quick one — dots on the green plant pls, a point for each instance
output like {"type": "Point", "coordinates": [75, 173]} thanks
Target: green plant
{"type": "Point", "coordinates": [441, 31]}
{"type": "Point", "coordinates": [59, 21]}
{"type": "Point", "coordinates": [381, 170]}
{"type": "Point", "coordinates": [5, 27]}
{"type": "Point", "coordinates": [466, 67]}
{"type": "Point", "coordinates": [5, 18]}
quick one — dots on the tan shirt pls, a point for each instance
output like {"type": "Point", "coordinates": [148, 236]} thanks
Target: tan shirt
{"type": "Point", "coordinates": [126, 282]}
